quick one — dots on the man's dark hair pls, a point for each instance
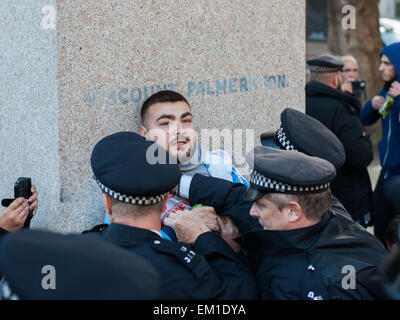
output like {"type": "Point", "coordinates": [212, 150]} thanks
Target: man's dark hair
{"type": "Point", "coordinates": [160, 97]}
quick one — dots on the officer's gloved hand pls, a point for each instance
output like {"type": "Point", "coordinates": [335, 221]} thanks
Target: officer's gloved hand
{"type": "Point", "coordinates": [187, 224]}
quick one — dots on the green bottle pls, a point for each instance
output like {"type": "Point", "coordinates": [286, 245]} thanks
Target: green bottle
{"type": "Point", "coordinates": [387, 106]}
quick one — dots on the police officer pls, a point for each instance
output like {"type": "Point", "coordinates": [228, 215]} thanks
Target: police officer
{"type": "Point", "coordinates": [135, 189]}
{"type": "Point", "coordinates": [303, 133]}
{"type": "Point", "coordinates": [339, 112]}
{"type": "Point", "coordinates": [48, 266]}
{"type": "Point", "coordinates": [303, 246]}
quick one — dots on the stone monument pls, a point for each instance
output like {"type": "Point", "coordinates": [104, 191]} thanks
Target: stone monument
{"type": "Point", "coordinates": [76, 71]}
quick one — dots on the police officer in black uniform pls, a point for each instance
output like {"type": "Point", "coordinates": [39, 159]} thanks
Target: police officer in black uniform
{"type": "Point", "coordinates": [339, 112]}
{"type": "Point", "coordinates": [303, 133]}
{"type": "Point", "coordinates": [41, 265]}
{"type": "Point", "coordinates": [135, 189]}
{"type": "Point", "coordinates": [303, 247]}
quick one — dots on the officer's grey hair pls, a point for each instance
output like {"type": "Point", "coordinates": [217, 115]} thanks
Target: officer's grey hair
{"type": "Point", "coordinates": [350, 58]}
{"type": "Point", "coordinates": [314, 205]}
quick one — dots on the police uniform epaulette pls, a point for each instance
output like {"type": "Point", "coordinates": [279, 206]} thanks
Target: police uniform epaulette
{"type": "Point", "coordinates": [185, 254]}
{"type": "Point", "coordinates": [98, 228]}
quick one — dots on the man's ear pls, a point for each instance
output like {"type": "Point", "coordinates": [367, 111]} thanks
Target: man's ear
{"type": "Point", "coordinates": [107, 205]}
{"type": "Point", "coordinates": [143, 131]}
{"type": "Point", "coordinates": [293, 211]}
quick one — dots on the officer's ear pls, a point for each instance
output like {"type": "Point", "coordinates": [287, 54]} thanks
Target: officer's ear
{"type": "Point", "coordinates": [107, 204]}
{"type": "Point", "coordinates": [293, 211]}
{"type": "Point", "coordinates": [143, 131]}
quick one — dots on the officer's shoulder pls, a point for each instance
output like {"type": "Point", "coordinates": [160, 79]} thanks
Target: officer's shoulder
{"type": "Point", "coordinates": [97, 229]}
{"type": "Point", "coordinates": [184, 254]}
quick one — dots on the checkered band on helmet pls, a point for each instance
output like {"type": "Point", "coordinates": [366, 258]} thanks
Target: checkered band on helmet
{"type": "Point", "coordinates": [260, 180]}
{"type": "Point", "coordinates": [284, 141]}
{"type": "Point", "coordinates": [321, 69]}
{"type": "Point", "coordinates": [141, 201]}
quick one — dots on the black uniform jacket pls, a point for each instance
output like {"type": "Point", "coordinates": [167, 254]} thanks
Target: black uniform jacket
{"type": "Point", "coordinates": [307, 263]}
{"type": "Point", "coordinates": [3, 232]}
{"type": "Point", "coordinates": [339, 112]}
{"type": "Point", "coordinates": [209, 270]}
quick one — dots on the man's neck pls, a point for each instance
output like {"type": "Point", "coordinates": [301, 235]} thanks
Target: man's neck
{"type": "Point", "coordinates": [149, 222]}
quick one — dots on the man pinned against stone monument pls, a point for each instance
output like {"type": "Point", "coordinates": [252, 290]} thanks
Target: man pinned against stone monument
{"type": "Point", "coordinates": [167, 119]}
{"type": "Point", "coordinates": [338, 111]}
{"type": "Point", "coordinates": [301, 246]}
{"type": "Point", "coordinates": [13, 217]}
{"type": "Point", "coordinates": [134, 193]}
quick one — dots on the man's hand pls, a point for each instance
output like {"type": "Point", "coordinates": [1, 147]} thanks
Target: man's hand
{"type": "Point", "coordinates": [347, 87]}
{"type": "Point", "coordinates": [187, 225]}
{"type": "Point", "coordinates": [33, 200]}
{"type": "Point", "coordinates": [229, 231]}
{"type": "Point", "coordinates": [209, 217]}
{"type": "Point", "coordinates": [394, 90]}
{"type": "Point", "coordinates": [13, 217]}
{"type": "Point", "coordinates": [377, 102]}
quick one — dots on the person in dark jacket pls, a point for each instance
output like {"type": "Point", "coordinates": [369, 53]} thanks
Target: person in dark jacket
{"type": "Point", "coordinates": [42, 265]}
{"type": "Point", "coordinates": [339, 112]}
{"type": "Point", "coordinates": [134, 192]}
{"type": "Point", "coordinates": [304, 250]}
{"type": "Point", "coordinates": [385, 201]}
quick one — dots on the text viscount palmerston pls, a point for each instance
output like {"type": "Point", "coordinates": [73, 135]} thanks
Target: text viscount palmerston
{"type": "Point", "coordinates": [137, 94]}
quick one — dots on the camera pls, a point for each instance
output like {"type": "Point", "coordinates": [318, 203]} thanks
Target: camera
{"type": "Point", "coordinates": [358, 88]}
{"type": "Point", "coordinates": [358, 84]}
{"type": "Point", "coordinates": [22, 188]}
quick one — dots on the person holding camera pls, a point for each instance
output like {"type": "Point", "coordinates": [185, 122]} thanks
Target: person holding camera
{"type": "Point", "coordinates": [339, 112]}
{"type": "Point", "coordinates": [350, 82]}
{"type": "Point", "coordinates": [13, 217]}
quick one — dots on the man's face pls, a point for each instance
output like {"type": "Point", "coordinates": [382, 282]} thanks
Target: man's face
{"type": "Point", "coordinates": [268, 215]}
{"type": "Point", "coordinates": [387, 69]}
{"type": "Point", "coordinates": [170, 125]}
{"type": "Point", "coordinates": [350, 70]}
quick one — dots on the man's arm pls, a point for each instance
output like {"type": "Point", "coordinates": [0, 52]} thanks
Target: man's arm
{"type": "Point", "coordinates": [369, 114]}
{"type": "Point", "coordinates": [214, 192]}
{"type": "Point", "coordinates": [226, 198]}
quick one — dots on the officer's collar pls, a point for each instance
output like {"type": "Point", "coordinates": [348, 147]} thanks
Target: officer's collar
{"type": "Point", "coordinates": [123, 233]}
{"type": "Point", "coordinates": [275, 241]}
